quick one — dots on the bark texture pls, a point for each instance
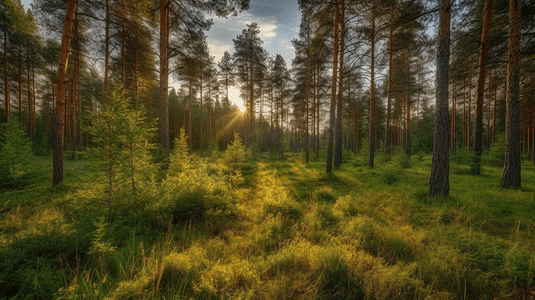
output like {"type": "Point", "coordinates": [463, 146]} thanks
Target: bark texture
{"type": "Point", "coordinates": [372, 92]}
{"type": "Point", "coordinates": [329, 167]}
{"type": "Point", "coordinates": [163, 121]}
{"type": "Point", "coordinates": [339, 139]}
{"type": "Point", "coordinates": [511, 170]}
{"type": "Point", "coordinates": [57, 176]}
{"type": "Point", "coordinates": [439, 181]}
{"type": "Point", "coordinates": [478, 131]}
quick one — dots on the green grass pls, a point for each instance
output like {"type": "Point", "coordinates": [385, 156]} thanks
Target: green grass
{"type": "Point", "coordinates": [274, 230]}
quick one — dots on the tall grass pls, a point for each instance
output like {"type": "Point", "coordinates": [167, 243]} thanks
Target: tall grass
{"type": "Point", "coordinates": [211, 229]}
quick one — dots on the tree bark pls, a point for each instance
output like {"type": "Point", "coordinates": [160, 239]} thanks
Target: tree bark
{"type": "Point", "coordinates": [489, 97]}
{"type": "Point", "coordinates": [512, 168]}
{"type": "Point", "coordinates": [390, 68]}
{"type": "Point", "coordinates": [318, 114]}
{"type": "Point", "coordinates": [453, 118]}
{"type": "Point", "coordinates": [201, 121]}
{"type": "Point", "coordinates": [339, 110]}
{"type": "Point", "coordinates": [469, 120]}
{"type": "Point", "coordinates": [307, 99]}
{"type": "Point", "coordinates": [371, 126]}
{"type": "Point", "coordinates": [408, 108]}
{"type": "Point", "coordinates": [439, 180]}
{"type": "Point", "coordinates": [163, 105]}
{"type": "Point", "coordinates": [494, 113]}
{"type": "Point", "coordinates": [57, 176]}
{"type": "Point", "coordinates": [329, 164]}
{"type": "Point", "coordinates": [6, 75]}
{"type": "Point", "coordinates": [20, 85]}
{"type": "Point", "coordinates": [106, 53]}
{"type": "Point", "coordinates": [478, 132]}
{"type": "Point", "coordinates": [190, 129]}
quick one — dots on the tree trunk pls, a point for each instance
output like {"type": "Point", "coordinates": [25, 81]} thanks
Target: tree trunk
{"type": "Point", "coordinates": [339, 109]}
{"type": "Point", "coordinates": [469, 120]}
{"type": "Point", "coordinates": [494, 113]}
{"type": "Point", "coordinates": [106, 53]}
{"type": "Point", "coordinates": [390, 68]}
{"type": "Point", "coordinates": [201, 122]}
{"type": "Point", "coordinates": [29, 95]}
{"type": "Point", "coordinates": [163, 106]}
{"type": "Point", "coordinates": [439, 180]}
{"type": "Point", "coordinates": [190, 129]}
{"type": "Point", "coordinates": [478, 132]}
{"type": "Point", "coordinates": [511, 170]}
{"type": "Point", "coordinates": [329, 164]}
{"type": "Point", "coordinates": [453, 118]}
{"type": "Point", "coordinates": [251, 138]}
{"type": "Point", "coordinates": [318, 115]}
{"type": "Point", "coordinates": [20, 85]}
{"type": "Point", "coordinates": [6, 75]}
{"type": "Point", "coordinates": [532, 133]}
{"type": "Point", "coordinates": [464, 119]}
{"type": "Point", "coordinates": [408, 108]}
{"type": "Point", "coordinates": [418, 116]}
{"type": "Point", "coordinates": [371, 126]}
{"type": "Point", "coordinates": [307, 99]}
{"type": "Point", "coordinates": [57, 177]}
{"type": "Point", "coordinates": [488, 112]}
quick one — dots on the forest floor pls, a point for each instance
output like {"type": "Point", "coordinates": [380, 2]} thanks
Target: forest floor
{"type": "Point", "coordinates": [274, 230]}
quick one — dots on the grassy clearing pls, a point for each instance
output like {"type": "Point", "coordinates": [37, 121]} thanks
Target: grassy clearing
{"type": "Point", "coordinates": [271, 230]}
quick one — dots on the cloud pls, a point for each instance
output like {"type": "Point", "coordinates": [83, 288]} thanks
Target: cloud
{"type": "Point", "coordinates": [225, 29]}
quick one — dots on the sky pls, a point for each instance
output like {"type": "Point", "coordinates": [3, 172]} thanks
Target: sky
{"type": "Point", "coordinates": [278, 21]}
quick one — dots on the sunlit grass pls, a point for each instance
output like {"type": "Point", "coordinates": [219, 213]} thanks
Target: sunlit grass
{"type": "Point", "coordinates": [279, 230]}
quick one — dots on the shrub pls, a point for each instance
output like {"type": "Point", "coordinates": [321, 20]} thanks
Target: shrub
{"type": "Point", "coordinates": [15, 155]}
{"type": "Point", "coordinates": [325, 194]}
{"type": "Point", "coordinates": [121, 137]}
{"type": "Point", "coordinates": [497, 153]}
{"type": "Point", "coordinates": [235, 153]}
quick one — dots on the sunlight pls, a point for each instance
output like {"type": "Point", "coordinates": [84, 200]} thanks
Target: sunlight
{"type": "Point", "coordinates": [234, 98]}
{"type": "Point", "coordinates": [229, 124]}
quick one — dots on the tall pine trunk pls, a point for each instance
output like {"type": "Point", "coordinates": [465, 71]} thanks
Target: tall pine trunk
{"type": "Point", "coordinates": [371, 126]}
{"type": "Point", "coordinates": [511, 170]}
{"type": "Point", "coordinates": [6, 75]}
{"type": "Point", "coordinates": [57, 176]}
{"type": "Point", "coordinates": [439, 180]}
{"type": "Point", "coordinates": [307, 99]}
{"type": "Point", "coordinates": [390, 68]}
{"type": "Point", "coordinates": [478, 132]}
{"type": "Point", "coordinates": [20, 85]}
{"type": "Point", "coordinates": [106, 53]}
{"type": "Point", "coordinates": [163, 105]}
{"type": "Point", "coordinates": [329, 164]}
{"type": "Point", "coordinates": [408, 107]}
{"type": "Point", "coordinates": [339, 109]}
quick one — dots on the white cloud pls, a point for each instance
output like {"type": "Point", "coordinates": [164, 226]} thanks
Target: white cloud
{"type": "Point", "coordinates": [225, 29]}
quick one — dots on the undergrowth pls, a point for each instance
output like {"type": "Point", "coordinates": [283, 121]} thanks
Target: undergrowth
{"type": "Point", "coordinates": [228, 228]}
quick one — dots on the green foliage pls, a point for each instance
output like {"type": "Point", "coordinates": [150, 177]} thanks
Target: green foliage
{"type": "Point", "coordinates": [463, 156]}
{"type": "Point", "coordinates": [122, 136]}
{"type": "Point", "coordinates": [402, 161]}
{"type": "Point", "coordinates": [496, 157]}
{"type": "Point", "coordinates": [15, 155]}
{"type": "Point", "coordinates": [344, 236]}
{"type": "Point", "coordinates": [325, 195]}
{"type": "Point", "coordinates": [196, 190]}
{"type": "Point", "coordinates": [99, 245]}
{"type": "Point", "coordinates": [235, 153]}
